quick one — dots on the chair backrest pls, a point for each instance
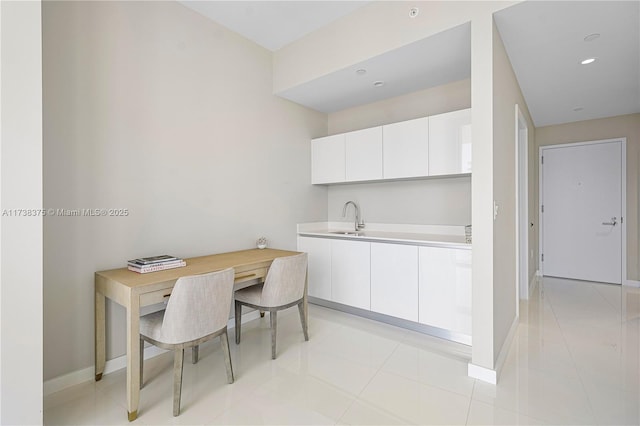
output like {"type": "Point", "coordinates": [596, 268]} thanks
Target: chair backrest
{"type": "Point", "coordinates": [285, 280]}
{"type": "Point", "coordinates": [199, 305]}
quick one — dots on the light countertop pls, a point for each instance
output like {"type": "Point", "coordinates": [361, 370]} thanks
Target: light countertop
{"type": "Point", "coordinates": [447, 236]}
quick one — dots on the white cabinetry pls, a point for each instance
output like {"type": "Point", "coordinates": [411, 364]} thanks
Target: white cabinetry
{"type": "Point", "coordinates": [394, 280]}
{"type": "Point", "coordinates": [328, 159]}
{"type": "Point", "coordinates": [406, 149]}
{"type": "Point", "coordinates": [429, 146]}
{"type": "Point", "coordinates": [363, 155]}
{"type": "Point", "coordinates": [445, 288]}
{"type": "Point", "coordinates": [319, 265]}
{"type": "Point", "coordinates": [450, 143]}
{"type": "Point", "coordinates": [350, 273]}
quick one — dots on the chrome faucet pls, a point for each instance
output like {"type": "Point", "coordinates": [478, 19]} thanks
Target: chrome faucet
{"type": "Point", "coordinates": [358, 222]}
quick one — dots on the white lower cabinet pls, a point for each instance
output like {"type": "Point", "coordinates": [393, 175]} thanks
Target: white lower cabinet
{"type": "Point", "coordinates": [350, 273]}
{"type": "Point", "coordinates": [445, 288]}
{"type": "Point", "coordinates": [394, 280]}
{"type": "Point", "coordinates": [319, 265]}
{"type": "Point", "coordinates": [428, 285]}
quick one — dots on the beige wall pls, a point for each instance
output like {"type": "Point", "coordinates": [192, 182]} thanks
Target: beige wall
{"type": "Point", "coordinates": [151, 107]}
{"type": "Point", "coordinates": [444, 201]}
{"type": "Point", "coordinates": [507, 94]}
{"type": "Point", "coordinates": [627, 126]}
{"type": "Point", "coordinates": [435, 100]}
{"type": "Point", "coordinates": [20, 233]}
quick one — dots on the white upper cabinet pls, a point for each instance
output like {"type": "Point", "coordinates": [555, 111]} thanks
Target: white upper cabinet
{"type": "Point", "coordinates": [406, 149]}
{"type": "Point", "coordinates": [363, 155]}
{"type": "Point", "coordinates": [429, 146]}
{"type": "Point", "coordinates": [328, 159]}
{"type": "Point", "coordinates": [450, 143]}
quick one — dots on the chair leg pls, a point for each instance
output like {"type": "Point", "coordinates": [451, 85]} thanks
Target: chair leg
{"type": "Point", "coordinates": [194, 354]}
{"type": "Point", "coordinates": [273, 316]}
{"type": "Point", "coordinates": [224, 341]}
{"type": "Point", "coordinates": [177, 379]}
{"type": "Point", "coordinates": [141, 361]}
{"type": "Point", "coordinates": [303, 321]}
{"type": "Point", "coordinates": [238, 312]}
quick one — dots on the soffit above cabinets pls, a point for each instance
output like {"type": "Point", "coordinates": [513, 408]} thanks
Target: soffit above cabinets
{"type": "Point", "coordinates": [440, 59]}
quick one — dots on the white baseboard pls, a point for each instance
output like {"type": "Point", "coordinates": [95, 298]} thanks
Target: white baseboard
{"type": "Point", "coordinates": [504, 351]}
{"type": "Point", "coordinates": [76, 377]}
{"type": "Point", "coordinates": [482, 373]}
{"type": "Point", "coordinates": [632, 283]}
{"type": "Point", "coordinates": [486, 374]}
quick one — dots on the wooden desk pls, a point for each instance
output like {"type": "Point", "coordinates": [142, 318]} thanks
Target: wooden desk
{"type": "Point", "coordinates": [133, 290]}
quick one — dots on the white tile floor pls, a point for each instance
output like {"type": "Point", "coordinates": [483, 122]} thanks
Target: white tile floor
{"type": "Point", "coordinates": [575, 360]}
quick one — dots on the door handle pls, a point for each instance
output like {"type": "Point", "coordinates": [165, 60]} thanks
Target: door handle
{"type": "Point", "coordinates": [614, 222]}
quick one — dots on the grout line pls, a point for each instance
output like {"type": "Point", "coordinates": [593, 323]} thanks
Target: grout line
{"type": "Point", "coordinates": [473, 388]}
{"type": "Point", "coordinates": [573, 361]}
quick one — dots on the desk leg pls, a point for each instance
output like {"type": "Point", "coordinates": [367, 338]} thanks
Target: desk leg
{"type": "Point", "coordinates": [133, 357]}
{"type": "Point", "coordinates": [305, 299]}
{"type": "Point", "coordinates": [100, 335]}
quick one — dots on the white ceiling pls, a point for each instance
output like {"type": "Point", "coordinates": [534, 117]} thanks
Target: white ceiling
{"type": "Point", "coordinates": [544, 41]}
{"type": "Point", "coordinates": [273, 24]}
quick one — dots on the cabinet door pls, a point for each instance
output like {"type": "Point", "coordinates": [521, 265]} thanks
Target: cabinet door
{"type": "Point", "coordinates": [445, 288]}
{"type": "Point", "coordinates": [363, 155]}
{"type": "Point", "coordinates": [319, 267]}
{"type": "Point", "coordinates": [350, 273]}
{"type": "Point", "coordinates": [450, 143]}
{"type": "Point", "coordinates": [327, 159]}
{"type": "Point", "coordinates": [406, 149]}
{"type": "Point", "coordinates": [394, 280]}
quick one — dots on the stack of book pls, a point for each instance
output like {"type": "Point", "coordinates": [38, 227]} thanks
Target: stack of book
{"type": "Point", "coordinates": [144, 265]}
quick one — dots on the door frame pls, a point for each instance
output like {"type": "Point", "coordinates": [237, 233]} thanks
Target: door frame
{"type": "Point", "coordinates": [522, 205]}
{"type": "Point", "coordinates": [623, 220]}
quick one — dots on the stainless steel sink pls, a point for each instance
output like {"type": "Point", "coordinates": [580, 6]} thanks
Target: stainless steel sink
{"type": "Point", "coordinates": [352, 233]}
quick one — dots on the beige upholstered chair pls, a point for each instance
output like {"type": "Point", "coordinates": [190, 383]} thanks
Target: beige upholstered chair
{"type": "Point", "coordinates": [197, 311]}
{"type": "Point", "coordinates": [283, 288]}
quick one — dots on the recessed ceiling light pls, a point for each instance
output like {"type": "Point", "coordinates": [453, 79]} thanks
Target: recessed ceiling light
{"type": "Point", "coordinates": [591, 37]}
{"type": "Point", "coordinates": [577, 109]}
{"type": "Point", "coordinates": [361, 71]}
{"type": "Point", "coordinates": [588, 61]}
{"type": "Point", "coordinates": [378, 84]}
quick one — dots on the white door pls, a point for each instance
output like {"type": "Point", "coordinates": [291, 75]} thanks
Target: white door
{"type": "Point", "coordinates": [582, 211]}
